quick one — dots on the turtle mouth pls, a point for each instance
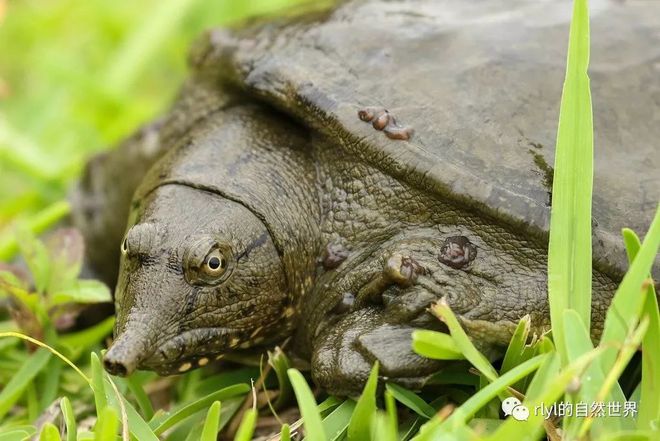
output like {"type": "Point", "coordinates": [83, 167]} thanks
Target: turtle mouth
{"type": "Point", "coordinates": [194, 348]}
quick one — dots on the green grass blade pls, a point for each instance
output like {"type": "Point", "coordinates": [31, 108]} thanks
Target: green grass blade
{"type": "Point", "coordinates": [625, 355]}
{"type": "Point", "coordinates": [97, 385]}
{"type": "Point", "coordinates": [141, 397]}
{"type": "Point", "coordinates": [285, 433]}
{"type": "Point", "coordinates": [138, 428]}
{"type": "Point", "coordinates": [107, 425]}
{"type": "Point", "coordinates": [15, 435]}
{"type": "Point", "coordinates": [280, 363]}
{"type": "Point", "coordinates": [49, 433]}
{"type": "Point", "coordinates": [649, 402]}
{"type": "Point", "coordinates": [307, 405]}
{"type": "Point", "coordinates": [176, 417]}
{"type": "Point", "coordinates": [513, 355]}
{"type": "Point", "coordinates": [569, 252]}
{"type": "Point", "coordinates": [211, 423]}
{"type": "Point", "coordinates": [22, 378]}
{"type": "Point", "coordinates": [246, 428]}
{"type": "Point", "coordinates": [436, 345]}
{"type": "Point", "coordinates": [591, 382]}
{"type": "Point", "coordinates": [49, 383]}
{"type": "Point", "coordinates": [462, 341]}
{"type": "Point", "coordinates": [546, 388]}
{"type": "Point", "coordinates": [411, 400]}
{"type": "Point", "coordinates": [69, 419]}
{"type": "Point", "coordinates": [629, 298]}
{"type": "Point", "coordinates": [392, 424]}
{"type": "Point", "coordinates": [336, 422]}
{"type": "Point", "coordinates": [466, 411]}
{"type": "Point", "coordinates": [365, 409]}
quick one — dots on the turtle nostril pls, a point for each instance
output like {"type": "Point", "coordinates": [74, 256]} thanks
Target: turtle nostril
{"type": "Point", "coordinates": [115, 367]}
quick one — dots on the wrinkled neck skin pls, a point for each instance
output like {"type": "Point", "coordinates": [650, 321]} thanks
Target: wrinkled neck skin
{"type": "Point", "coordinates": [245, 183]}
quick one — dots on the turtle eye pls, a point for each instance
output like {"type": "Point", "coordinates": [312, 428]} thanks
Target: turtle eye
{"type": "Point", "coordinates": [124, 246]}
{"type": "Point", "coordinates": [215, 263]}
{"type": "Point", "coordinates": [208, 265]}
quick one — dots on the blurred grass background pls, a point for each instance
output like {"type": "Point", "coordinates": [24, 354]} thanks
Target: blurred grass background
{"type": "Point", "coordinates": [77, 76]}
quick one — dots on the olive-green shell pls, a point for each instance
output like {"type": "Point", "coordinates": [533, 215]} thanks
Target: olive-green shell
{"type": "Point", "coordinates": [480, 82]}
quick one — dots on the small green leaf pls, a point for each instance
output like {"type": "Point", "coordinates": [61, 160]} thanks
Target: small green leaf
{"type": "Point", "coordinates": [649, 402]}
{"type": "Point", "coordinates": [69, 419]}
{"type": "Point", "coordinates": [83, 291]}
{"type": "Point", "coordinates": [98, 385]}
{"type": "Point", "coordinates": [365, 409]}
{"type": "Point", "coordinates": [210, 431]}
{"type": "Point", "coordinates": [435, 345]}
{"type": "Point", "coordinates": [307, 405]}
{"type": "Point", "coordinates": [49, 433]}
{"type": "Point", "coordinates": [391, 422]}
{"type": "Point", "coordinates": [411, 400]}
{"type": "Point", "coordinates": [514, 352]}
{"type": "Point", "coordinates": [630, 297]}
{"type": "Point", "coordinates": [462, 341]}
{"type": "Point", "coordinates": [285, 433]}
{"type": "Point", "coordinates": [336, 422]}
{"type": "Point", "coordinates": [246, 428]}
{"type": "Point", "coordinates": [107, 425]}
{"type": "Point", "coordinates": [280, 363]}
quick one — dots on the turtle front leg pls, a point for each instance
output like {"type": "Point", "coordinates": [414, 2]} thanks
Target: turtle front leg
{"type": "Point", "coordinates": [344, 354]}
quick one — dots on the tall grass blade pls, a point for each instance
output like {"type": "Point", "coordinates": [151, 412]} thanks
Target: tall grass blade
{"type": "Point", "coordinates": [179, 415]}
{"type": "Point", "coordinates": [69, 419]}
{"type": "Point", "coordinates": [649, 402]}
{"type": "Point", "coordinates": [107, 425]}
{"type": "Point", "coordinates": [210, 431]}
{"type": "Point", "coordinates": [625, 310]}
{"type": "Point", "coordinates": [336, 422]}
{"type": "Point", "coordinates": [411, 400]}
{"type": "Point", "coordinates": [285, 433]}
{"type": "Point", "coordinates": [49, 433]}
{"type": "Point", "coordinates": [358, 428]}
{"type": "Point", "coordinates": [590, 383]}
{"type": "Point", "coordinates": [462, 341]}
{"type": "Point", "coordinates": [246, 428]}
{"type": "Point", "coordinates": [307, 405]}
{"type": "Point", "coordinates": [569, 253]}
{"type": "Point", "coordinates": [97, 385]}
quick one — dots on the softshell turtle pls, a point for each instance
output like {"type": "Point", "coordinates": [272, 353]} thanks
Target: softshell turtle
{"type": "Point", "coordinates": [327, 178]}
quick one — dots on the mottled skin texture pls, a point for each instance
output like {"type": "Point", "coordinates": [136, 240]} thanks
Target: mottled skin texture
{"type": "Point", "coordinates": [326, 221]}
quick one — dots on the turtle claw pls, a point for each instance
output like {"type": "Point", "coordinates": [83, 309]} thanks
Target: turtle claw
{"type": "Point", "coordinates": [402, 270]}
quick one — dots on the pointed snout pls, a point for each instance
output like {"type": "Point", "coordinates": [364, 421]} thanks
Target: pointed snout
{"type": "Point", "coordinates": [125, 354]}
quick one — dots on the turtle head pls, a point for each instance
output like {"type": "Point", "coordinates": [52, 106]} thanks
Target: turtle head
{"type": "Point", "coordinates": [197, 279]}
